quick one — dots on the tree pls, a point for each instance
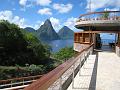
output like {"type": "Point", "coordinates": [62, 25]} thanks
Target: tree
{"type": "Point", "coordinates": [64, 53]}
{"type": "Point", "coordinates": [105, 15]}
{"type": "Point", "coordinates": [20, 47]}
{"type": "Point", "coordinates": [11, 38]}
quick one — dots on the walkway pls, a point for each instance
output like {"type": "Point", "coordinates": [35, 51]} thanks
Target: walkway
{"type": "Point", "coordinates": [100, 72]}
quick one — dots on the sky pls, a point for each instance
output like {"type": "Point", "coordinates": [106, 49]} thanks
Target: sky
{"type": "Point", "coordinates": [33, 13]}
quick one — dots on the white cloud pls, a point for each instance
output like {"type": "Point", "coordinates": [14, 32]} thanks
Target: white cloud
{"type": "Point", "coordinates": [31, 3]}
{"type": "Point", "coordinates": [96, 4]}
{"type": "Point", "coordinates": [8, 15]}
{"type": "Point", "coordinates": [45, 11]}
{"type": "Point", "coordinates": [19, 21]}
{"type": "Point", "coordinates": [23, 2]}
{"type": "Point", "coordinates": [55, 22]}
{"type": "Point", "coordinates": [70, 22]}
{"type": "Point", "coordinates": [38, 24]}
{"type": "Point", "coordinates": [44, 2]}
{"type": "Point", "coordinates": [62, 8]}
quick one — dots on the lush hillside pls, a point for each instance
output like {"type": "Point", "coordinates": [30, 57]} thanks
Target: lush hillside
{"type": "Point", "coordinates": [29, 29]}
{"type": "Point", "coordinates": [22, 54]}
{"type": "Point", "coordinates": [66, 33]}
{"type": "Point", "coordinates": [19, 47]}
{"type": "Point", "coordinates": [46, 32]}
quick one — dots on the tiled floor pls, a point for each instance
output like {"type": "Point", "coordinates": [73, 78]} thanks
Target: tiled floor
{"type": "Point", "coordinates": [101, 73]}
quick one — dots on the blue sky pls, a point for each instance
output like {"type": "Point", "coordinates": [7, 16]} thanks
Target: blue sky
{"type": "Point", "coordinates": [33, 13]}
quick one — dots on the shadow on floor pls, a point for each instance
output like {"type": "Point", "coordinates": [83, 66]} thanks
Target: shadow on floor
{"type": "Point", "coordinates": [92, 85]}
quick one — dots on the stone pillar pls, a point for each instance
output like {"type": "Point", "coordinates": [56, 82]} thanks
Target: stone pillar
{"type": "Point", "coordinates": [94, 39]}
{"type": "Point", "coordinates": [118, 51]}
{"type": "Point", "coordinates": [118, 45]}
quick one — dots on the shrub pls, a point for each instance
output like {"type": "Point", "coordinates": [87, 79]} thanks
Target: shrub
{"type": "Point", "coordinates": [64, 53]}
{"type": "Point", "coordinates": [17, 71]}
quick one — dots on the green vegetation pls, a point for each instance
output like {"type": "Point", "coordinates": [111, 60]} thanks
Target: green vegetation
{"type": "Point", "coordinates": [8, 72]}
{"type": "Point", "coordinates": [64, 54]}
{"type": "Point", "coordinates": [20, 47]}
{"type": "Point", "coordinates": [22, 54]}
{"type": "Point", "coordinates": [105, 15]}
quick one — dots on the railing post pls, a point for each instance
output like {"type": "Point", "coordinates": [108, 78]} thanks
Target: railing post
{"type": "Point", "coordinates": [23, 81]}
{"type": "Point", "coordinates": [84, 59]}
{"type": "Point", "coordinates": [86, 56]}
{"type": "Point", "coordinates": [11, 83]}
{"type": "Point", "coordinates": [60, 83]}
{"type": "Point", "coordinates": [91, 50]}
{"type": "Point", "coordinates": [80, 66]}
{"type": "Point", "coordinates": [73, 75]}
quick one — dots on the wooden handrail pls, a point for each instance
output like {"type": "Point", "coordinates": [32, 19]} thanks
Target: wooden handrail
{"type": "Point", "coordinates": [98, 13]}
{"type": "Point", "coordinates": [21, 78]}
{"type": "Point", "coordinates": [102, 31]}
{"type": "Point", "coordinates": [47, 80]}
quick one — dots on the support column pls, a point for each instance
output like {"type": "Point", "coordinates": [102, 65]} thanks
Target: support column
{"type": "Point", "coordinates": [118, 45]}
{"type": "Point", "coordinates": [94, 39]}
{"type": "Point", "coordinates": [115, 41]}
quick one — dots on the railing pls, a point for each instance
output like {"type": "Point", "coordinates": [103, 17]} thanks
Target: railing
{"type": "Point", "coordinates": [110, 15]}
{"type": "Point", "coordinates": [13, 83]}
{"type": "Point", "coordinates": [61, 77]}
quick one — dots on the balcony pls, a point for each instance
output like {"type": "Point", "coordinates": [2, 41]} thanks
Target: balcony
{"type": "Point", "coordinates": [106, 20]}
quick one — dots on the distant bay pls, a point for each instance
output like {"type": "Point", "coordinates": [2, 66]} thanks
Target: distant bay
{"type": "Point", "coordinates": [107, 41]}
{"type": "Point", "coordinates": [58, 44]}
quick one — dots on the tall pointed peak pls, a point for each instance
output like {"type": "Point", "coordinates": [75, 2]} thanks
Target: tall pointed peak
{"type": "Point", "coordinates": [47, 32]}
{"type": "Point", "coordinates": [48, 21]}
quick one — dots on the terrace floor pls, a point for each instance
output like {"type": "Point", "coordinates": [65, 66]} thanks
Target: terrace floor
{"type": "Point", "coordinates": [100, 72]}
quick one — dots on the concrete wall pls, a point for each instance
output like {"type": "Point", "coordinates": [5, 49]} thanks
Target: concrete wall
{"type": "Point", "coordinates": [118, 51]}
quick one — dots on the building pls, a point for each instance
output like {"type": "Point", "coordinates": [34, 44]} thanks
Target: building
{"type": "Point", "coordinates": [94, 23]}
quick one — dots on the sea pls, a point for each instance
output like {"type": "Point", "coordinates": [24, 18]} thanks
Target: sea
{"type": "Point", "coordinates": [107, 41]}
{"type": "Point", "coordinates": [58, 44]}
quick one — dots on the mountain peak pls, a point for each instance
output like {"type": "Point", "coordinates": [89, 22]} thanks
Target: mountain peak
{"type": "Point", "coordinates": [66, 28]}
{"type": "Point", "coordinates": [47, 21]}
{"type": "Point", "coordinates": [66, 33]}
{"type": "Point", "coordinates": [47, 32]}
